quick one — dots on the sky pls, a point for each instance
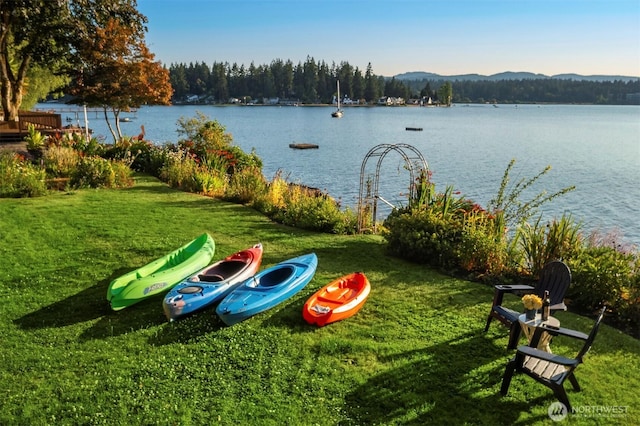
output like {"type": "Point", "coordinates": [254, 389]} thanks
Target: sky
{"type": "Point", "coordinates": [449, 37]}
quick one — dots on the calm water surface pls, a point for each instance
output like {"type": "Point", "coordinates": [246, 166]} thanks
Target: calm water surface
{"type": "Point", "coordinates": [595, 148]}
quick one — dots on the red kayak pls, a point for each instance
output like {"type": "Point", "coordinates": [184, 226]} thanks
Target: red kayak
{"type": "Point", "coordinates": [340, 299]}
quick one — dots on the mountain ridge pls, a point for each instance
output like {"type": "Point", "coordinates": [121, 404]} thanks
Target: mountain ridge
{"type": "Point", "coordinates": [509, 75]}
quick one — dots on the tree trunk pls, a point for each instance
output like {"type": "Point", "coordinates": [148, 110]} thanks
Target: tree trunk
{"type": "Point", "coordinates": [106, 118]}
{"type": "Point", "coordinates": [11, 87]}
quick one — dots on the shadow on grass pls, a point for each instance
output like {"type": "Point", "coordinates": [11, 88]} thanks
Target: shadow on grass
{"type": "Point", "coordinates": [86, 305]}
{"type": "Point", "coordinates": [90, 304]}
{"type": "Point", "coordinates": [188, 329]}
{"type": "Point", "coordinates": [139, 316]}
{"type": "Point", "coordinates": [444, 383]}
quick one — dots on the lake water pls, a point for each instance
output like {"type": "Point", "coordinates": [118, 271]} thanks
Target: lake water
{"type": "Point", "coordinates": [595, 148]}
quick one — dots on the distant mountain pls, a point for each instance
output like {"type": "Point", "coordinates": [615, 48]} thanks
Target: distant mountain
{"type": "Point", "coordinates": [508, 75]}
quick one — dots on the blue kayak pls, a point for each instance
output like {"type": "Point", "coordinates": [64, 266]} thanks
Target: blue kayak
{"type": "Point", "coordinates": [212, 284]}
{"type": "Point", "coordinates": [267, 289]}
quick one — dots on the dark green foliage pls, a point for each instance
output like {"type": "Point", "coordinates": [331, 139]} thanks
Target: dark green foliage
{"type": "Point", "coordinates": [605, 276]}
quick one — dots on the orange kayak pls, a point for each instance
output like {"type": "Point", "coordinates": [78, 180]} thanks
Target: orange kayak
{"type": "Point", "coordinates": [340, 299]}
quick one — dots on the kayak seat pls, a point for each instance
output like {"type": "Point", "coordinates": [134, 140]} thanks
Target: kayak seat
{"type": "Point", "coordinates": [211, 278]}
{"type": "Point", "coordinates": [277, 276]}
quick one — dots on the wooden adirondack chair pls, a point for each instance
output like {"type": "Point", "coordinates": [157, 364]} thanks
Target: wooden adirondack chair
{"type": "Point", "coordinates": [549, 369]}
{"type": "Point", "coordinates": [554, 277]}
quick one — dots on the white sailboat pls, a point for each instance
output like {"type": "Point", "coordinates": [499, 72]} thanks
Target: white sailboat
{"type": "Point", "coordinates": [338, 112]}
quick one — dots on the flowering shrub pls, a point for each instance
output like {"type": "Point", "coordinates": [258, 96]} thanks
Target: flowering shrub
{"type": "Point", "coordinates": [97, 172]}
{"type": "Point", "coordinates": [20, 178]}
{"type": "Point", "coordinates": [448, 231]}
{"type": "Point", "coordinates": [60, 161]}
{"type": "Point", "coordinates": [245, 185]}
{"type": "Point", "coordinates": [180, 170]}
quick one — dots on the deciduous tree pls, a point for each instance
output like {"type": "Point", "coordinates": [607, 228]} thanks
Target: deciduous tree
{"type": "Point", "coordinates": [119, 73]}
{"type": "Point", "coordinates": [46, 34]}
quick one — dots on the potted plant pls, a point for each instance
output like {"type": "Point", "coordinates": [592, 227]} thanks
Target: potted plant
{"type": "Point", "coordinates": [531, 304]}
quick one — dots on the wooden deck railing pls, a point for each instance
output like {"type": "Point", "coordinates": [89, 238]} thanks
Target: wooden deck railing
{"type": "Point", "coordinates": [40, 120]}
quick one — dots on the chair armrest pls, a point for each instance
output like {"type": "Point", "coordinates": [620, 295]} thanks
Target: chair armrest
{"type": "Point", "coordinates": [547, 356]}
{"type": "Point", "coordinates": [500, 290]}
{"type": "Point", "coordinates": [513, 288]}
{"type": "Point", "coordinates": [558, 307]}
{"type": "Point", "coordinates": [559, 331]}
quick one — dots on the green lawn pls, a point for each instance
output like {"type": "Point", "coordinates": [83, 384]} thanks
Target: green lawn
{"type": "Point", "coordinates": [415, 354]}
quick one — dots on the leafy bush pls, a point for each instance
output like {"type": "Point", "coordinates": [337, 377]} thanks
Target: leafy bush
{"type": "Point", "coordinates": [180, 171]}
{"type": "Point", "coordinates": [483, 246]}
{"type": "Point", "coordinates": [60, 161]}
{"type": "Point", "coordinates": [138, 153]}
{"type": "Point", "coordinates": [97, 172]}
{"type": "Point", "coordinates": [422, 236]}
{"type": "Point", "coordinates": [307, 209]}
{"type": "Point", "coordinates": [20, 178]}
{"type": "Point", "coordinates": [602, 275]}
{"type": "Point", "coordinates": [202, 135]}
{"type": "Point", "coordinates": [35, 139]}
{"type": "Point", "coordinates": [209, 182]}
{"type": "Point", "coordinates": [77, 141]}
{"type": "Point", "coordinates": [272, 201]}
{"type": "Point", "coordinates": [245, 186]}
{"type": "Point", "coordinates": [448, 231]}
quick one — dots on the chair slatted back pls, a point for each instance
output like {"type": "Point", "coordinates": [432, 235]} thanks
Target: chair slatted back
{"type": "Point", "coordinates": [556, 278]}
{"type": "Point", "coordinates": [592, 335]}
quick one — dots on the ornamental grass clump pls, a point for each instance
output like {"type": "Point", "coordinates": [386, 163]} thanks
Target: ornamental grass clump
{"type": "Point", "coordinates": [60, 161]}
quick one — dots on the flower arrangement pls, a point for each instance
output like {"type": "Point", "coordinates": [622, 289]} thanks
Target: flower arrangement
{"type": "Point", "coordinates": [531, 301]}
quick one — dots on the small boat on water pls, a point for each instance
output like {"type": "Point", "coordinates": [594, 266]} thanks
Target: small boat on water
{"type": "Point", "coordinates": [413, 129]}
{"type": "Point", "coordinates": [212, 283]}
{"type": "Point", "coordinates": [161, 274]}
{"type": "Point", "coordinates": [338, 300]}
{"type": "Point", "coordinates": [267, 289]}
{"type": "Point", "coordinates": [338, 112]}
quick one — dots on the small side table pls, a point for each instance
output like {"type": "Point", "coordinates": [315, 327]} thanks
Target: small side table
{"type": "Point", "coordinates": [529, 328]}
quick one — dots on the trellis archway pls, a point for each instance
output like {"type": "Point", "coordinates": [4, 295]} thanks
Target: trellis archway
{"type": "Point", "coordinates": [369, 190]}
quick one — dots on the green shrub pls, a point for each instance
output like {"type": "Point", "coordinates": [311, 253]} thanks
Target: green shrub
{"type": "Point", "coordinates": [180, 170]}
{"type": "Point", "coordinates": [423, 236]}
{"type": "Point", "coordinates": [60, 161]}
{"type": "Point", "coordinates": [138, 153]}
{"type": "Point", "coordinates": [602, 275]}
{"type": "Point", "coordinates": [483, 245]}
{"type": "Point", "coordinates": [97, 172]}
{"type": "Point", "coordinates": [448, 231]}
{"type": "Point", "coordinates": [307, 209]}
{"type": "Point", "coordinates": [245, 186]}
{"type": "Point", "coordinates": [209, 182]}
{"type": "Point", "coordinates": [20, 178]}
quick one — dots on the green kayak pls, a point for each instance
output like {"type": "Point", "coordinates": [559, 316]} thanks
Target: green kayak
{"type": "Point", "coordinates": [161, 274]}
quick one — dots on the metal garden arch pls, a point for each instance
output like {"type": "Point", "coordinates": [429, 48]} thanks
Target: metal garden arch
{"type": "Point", "coordinates": [369, 191]}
